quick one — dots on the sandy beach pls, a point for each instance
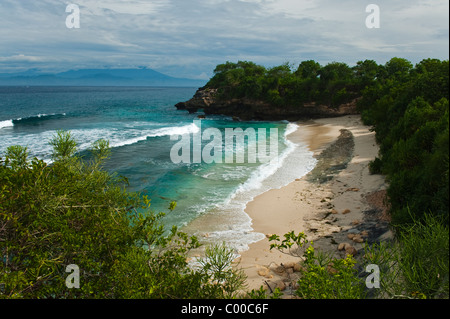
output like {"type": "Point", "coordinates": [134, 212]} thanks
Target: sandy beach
{"type": "Point", "coordinates": [346, 201]}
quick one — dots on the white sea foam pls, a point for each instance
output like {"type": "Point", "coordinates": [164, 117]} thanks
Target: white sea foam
{"type": "Point", "coordinates": [236, 229]}
{"type": "Point", "coordinates": [290, 128]}
{"type": "Point", "coordinates": [166, 131]}
{"type": "Point", "coordinates": [45, 115]}
{"type": "Point", "coordinates": [10, 123]}
{"type": "Point", "coordinates": [38, 143]}
{"type": "Point", "coordinates": [7, 123]}
{"type": "Point", "coordinates": [264, 171]}
{"type": "Point", "coordinates": [176, 130]}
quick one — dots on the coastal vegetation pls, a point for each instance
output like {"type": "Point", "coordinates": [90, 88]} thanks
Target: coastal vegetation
{"type": "Point", "coordinates": [414, 266]}
{"type": "Point", "coordinates": [333, 84]}
{"type": "Point", "coordinates": [409, 110]}
{"type": "Point", "coordinates": [74, 212]}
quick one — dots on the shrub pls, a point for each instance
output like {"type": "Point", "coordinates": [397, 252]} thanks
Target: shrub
{"type": "Point", "coordinates": [73, 212]}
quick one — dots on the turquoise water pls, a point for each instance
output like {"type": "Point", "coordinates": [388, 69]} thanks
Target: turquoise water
{"type": "Point", "coordinates": [139, 123]}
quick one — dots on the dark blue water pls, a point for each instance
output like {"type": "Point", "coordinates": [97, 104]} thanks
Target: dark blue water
{"type": "Point", "coordinates": [138, 122]}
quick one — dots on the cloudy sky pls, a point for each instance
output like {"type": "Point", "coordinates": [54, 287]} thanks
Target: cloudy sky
{"type": "Point", "coordinates": [188, 38]}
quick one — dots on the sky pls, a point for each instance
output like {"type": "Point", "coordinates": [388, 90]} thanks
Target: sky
{"type": "Point", "coordinates": [188, 38]}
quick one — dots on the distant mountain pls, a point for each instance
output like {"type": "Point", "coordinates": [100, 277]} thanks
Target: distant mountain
{"type": "Point", "coordinates": [97, 77]}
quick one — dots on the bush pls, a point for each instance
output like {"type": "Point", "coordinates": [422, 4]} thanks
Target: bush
{"type": "Point", "coordinates": [409, 110]}
{"type": "Point", "coordinates": [417, 265]}
{"type": "Point", "coordinates": [325, 277]}
{"type": "Point", "coordinates": [322, 276]}
{"type": "Point", "coordinates": [73, 212]}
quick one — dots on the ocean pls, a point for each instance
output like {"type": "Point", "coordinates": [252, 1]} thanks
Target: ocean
{"type": "Point", "coordinates": [139, 123]}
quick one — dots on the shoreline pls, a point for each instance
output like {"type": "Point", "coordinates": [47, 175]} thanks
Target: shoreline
{"type": "Point", "coordinates": [327, 212]}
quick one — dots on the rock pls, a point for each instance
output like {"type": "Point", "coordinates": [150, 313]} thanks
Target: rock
{"type": "Point", "coordinates": [346, 211]}
{"type": "Point", "coordinates": [350, 250]}
{"type": "Point", "coordinates": [298, 267]}
{"type": "Point", "coordinates": [276, 284]}
{"type": "Point", "coordinates": [344, 246]}
{"type": "Point", "coordinates": [263, 272]}
{"type": "Point", "coordinates": [364, 233]}
{"type": "Point", "coordinates": [281, 285]}
{"type": "Point", "coordinates": [350, 236]}
{"type": "Point", "coordinates": [353, 189]}
{"type": "Point", "coordinates": [358, 239]}
{"type": "Point", "coordinates": [279, 270]}
{"type": "Point", "coordinates": [289, 265]}
{"type": "Point", "coordinates": [334, 211]}
{"type": "Point", "coordinates": [356, 222]}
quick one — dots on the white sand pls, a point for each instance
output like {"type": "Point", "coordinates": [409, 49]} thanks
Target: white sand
{"type": "Point", "coordinates": [296, 206]}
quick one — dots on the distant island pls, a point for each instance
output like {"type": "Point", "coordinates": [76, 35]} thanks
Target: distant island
{"type": "Point", "coordinates": [97, 77]}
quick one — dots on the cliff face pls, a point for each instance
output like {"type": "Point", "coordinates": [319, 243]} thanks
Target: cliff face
{"type": "Point", "coordinates": [247, 109]}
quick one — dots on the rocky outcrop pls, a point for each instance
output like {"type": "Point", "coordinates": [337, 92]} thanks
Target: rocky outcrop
{"type": "Point", "coordinates": [203, 98]}
{"type": "Point", "coordinates": [206, 99]}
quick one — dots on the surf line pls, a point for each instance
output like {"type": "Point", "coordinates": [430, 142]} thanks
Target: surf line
{"type": "Point", "coordinates": [234, 142]}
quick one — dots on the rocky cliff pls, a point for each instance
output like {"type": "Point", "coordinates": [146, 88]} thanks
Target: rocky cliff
{"type": "Point", "coordinates": [205, 99]}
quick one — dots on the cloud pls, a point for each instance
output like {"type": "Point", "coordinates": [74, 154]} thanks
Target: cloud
{"type": "Point", "coordinates": [131, 7]}
{"type": "Point", "coordinates": [21, 58]}
{"type": "Point", "coordinates": [187, 38]}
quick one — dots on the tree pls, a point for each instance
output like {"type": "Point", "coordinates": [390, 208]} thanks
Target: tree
{"type": "Point", "coordinates": [308, 69]}
{"type": "Point", "coordinates": [366, 72]}
{"type": "Point", "coordinates": [409, 110]}
{"type": "Point", "coordinates": [335, 71]}
{"type": "Point", "coordinates": [398, 68]}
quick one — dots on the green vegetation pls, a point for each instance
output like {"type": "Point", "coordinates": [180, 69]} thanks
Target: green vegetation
{"type": "Point", "coordinates": [416, 266]}
{"type": "Point", "coordinates": [322, 276]}
{"type": "Point", "coordinates": [408, 108]}
{"type": "Point", "coordinates": [332, 85]}
{"type": "Point", "coordinates": [73, 212]}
